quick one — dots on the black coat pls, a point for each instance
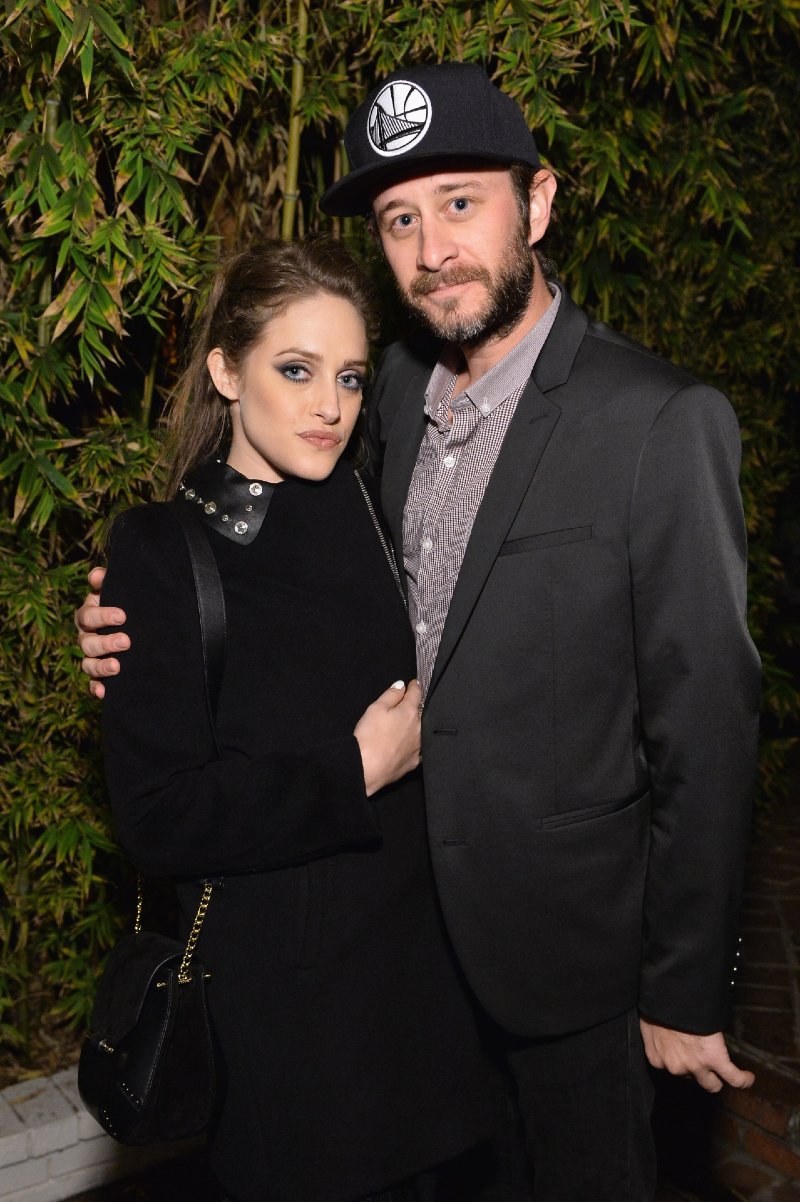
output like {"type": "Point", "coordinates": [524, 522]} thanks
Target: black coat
{"type": "Point", "coordinates": [349, 1057]}
{"type": "Point", "coordinates": [589, 738]}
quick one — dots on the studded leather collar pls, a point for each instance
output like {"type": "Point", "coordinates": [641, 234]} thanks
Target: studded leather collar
{"type": "Point", "coordinates": [228, 501]}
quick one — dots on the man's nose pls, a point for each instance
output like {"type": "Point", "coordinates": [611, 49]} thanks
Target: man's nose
{"type": "Point", "coordinates": [436, 246]}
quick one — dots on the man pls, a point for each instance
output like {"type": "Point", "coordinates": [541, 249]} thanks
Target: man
{"type": "Point", "coordinates": [568, 509]}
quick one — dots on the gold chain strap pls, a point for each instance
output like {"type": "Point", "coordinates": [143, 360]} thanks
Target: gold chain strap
{"type": "Point", "coordinates": [184, 976]}
{"type": "Point", "coordinates": [390, 559]}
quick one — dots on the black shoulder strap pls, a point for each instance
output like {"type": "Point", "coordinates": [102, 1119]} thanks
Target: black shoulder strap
{"type": "Point", "coordinates": [211, 604]}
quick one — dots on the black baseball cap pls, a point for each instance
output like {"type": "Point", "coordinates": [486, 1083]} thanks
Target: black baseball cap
{"type": "Point", "coordinates": [442, 111]}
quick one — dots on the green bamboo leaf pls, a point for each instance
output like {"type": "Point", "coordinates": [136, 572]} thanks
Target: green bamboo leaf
{"type": "Point", "coordinates": [17, 11]}
{"type": "Point", "coordinates": [81, 27]}
{"type": "Point", "coordinates": [11, 463]}
{"type": "Point", "coordinates": [59, 17]}
{"type": "Point", "coordinates": [109, 26]}
{"type": "Point", "coordinates": [62, 50]}
{"type": "Point", "coordinates": [56, 478]}
{"type": "Point", "coordinates": [28, 487]}
{"type": "Point", "coordinates": [87, 59]}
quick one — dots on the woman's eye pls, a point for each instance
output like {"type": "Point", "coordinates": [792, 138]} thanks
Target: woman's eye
{"type": "Point", "coordinates": [294, 371]}
{"type": "Point", "coordinates": [352, 380]}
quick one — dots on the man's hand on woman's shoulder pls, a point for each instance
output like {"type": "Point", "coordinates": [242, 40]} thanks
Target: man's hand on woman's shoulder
{"type": "Point", "coordinates": [98, 649]}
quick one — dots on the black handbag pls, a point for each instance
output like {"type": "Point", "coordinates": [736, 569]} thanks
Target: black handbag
{"type": "Point", "coordinates": [146, 1069]}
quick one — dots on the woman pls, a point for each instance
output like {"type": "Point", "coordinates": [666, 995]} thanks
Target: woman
{"type": "Point", "coordinates": [348, 1056]}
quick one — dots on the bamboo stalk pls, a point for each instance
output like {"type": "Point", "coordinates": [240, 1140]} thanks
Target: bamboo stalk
{"type": "Point", "coordinates": [149, 386]}
{"type": "Point", "coordinates": [49, 129]}
{"type": "Point", "coordinates": [291, 194]}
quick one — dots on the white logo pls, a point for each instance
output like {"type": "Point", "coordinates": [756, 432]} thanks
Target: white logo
{"type": "Point", "coordinates": [399, 118]}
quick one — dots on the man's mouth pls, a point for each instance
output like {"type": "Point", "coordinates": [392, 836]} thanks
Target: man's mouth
{"type": "Point", "coordinates": [443, 282]}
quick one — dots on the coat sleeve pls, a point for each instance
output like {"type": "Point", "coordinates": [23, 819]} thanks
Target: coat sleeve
{"type": "Point", "coordinates": [177, 809]}
{"type": "Point", "coordinates": [699, 679]}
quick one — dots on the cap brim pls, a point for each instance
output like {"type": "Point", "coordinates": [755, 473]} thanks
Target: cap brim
{"type": "Point", "coordinates": [352, 195]}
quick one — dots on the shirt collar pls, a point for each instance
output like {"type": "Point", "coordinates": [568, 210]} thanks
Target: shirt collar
{"type": "Point", "coordinates": [226, 500]}
{"type": "Point", "coordinates": [508, 376]}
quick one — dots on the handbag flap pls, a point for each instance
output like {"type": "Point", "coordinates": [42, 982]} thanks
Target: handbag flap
{"type": "Point", "coordinates": [128, 973]}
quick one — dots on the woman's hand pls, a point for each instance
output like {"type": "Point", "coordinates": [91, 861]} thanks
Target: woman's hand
{"type": "Point", "coordinates": [97, 648]}
{"type": "Point", "coordinates": [388, 733]}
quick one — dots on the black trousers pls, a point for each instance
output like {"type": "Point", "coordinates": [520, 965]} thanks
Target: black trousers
{"type": "Point", "coordinates": [573, 1125]}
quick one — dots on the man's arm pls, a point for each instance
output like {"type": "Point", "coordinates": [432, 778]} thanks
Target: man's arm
{"type": "Point", "coordinates": [698, 677]}
{"type": "Point", "coordinates": [98, 649]}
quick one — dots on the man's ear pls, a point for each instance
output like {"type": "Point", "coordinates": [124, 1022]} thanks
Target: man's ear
{"type": "Point", "coordinates": [542, 195]}
{"type": "Point", "coordinates": [225, 382]}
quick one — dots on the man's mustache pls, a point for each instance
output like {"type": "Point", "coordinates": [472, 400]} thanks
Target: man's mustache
{"type": "Point", "coordinates": [428, 281]}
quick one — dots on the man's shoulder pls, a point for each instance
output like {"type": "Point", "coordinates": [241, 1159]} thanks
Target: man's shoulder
{"type": "Point", "coordinates": [616, 347]}
{"type": "Point", "coordinates": [414, 353]}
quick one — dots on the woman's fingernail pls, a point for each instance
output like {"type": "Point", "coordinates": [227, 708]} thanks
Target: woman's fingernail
{"type": "Point", "coordinates": [398, 684]}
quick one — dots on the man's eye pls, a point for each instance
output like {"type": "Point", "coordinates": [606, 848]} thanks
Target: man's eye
{"type": "Point", "coordinates": [294, 371]}
{"type": "Point", "coordinates": [403, 221]}
{"type": "Point", "coordinates": [460, 204]}
{"type": "Point", "coordinates": [352, 380]}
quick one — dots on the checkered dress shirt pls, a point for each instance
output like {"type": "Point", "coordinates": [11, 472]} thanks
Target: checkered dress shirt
{"type": "Point", "coordinates": [453, 467]}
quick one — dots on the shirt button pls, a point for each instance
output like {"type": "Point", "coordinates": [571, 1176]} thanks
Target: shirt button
{"type": "Point", "coordinates": [485, 407]}
{"type": "Point", "coordinates": [449, 461]}
{"type": "Point", "coordinates": [427, 544]}
{"type": "Point", "coordinates": [421, 627]}
{"type": "Point", "coordinates": [256, 489]}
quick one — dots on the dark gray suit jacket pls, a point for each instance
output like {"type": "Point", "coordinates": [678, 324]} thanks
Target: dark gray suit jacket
{"type": "Point", "coordinates": [589, 739]}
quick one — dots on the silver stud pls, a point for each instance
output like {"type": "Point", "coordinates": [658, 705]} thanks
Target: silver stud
{"type": "Point", "coordinates": [190, 494]}
{"type": "Point", "coordinates": [256, 489]}
{"type": "Point", "coordinates": [181, 487]}
{"type": "Point", "coordinates": [241, 527]}
{"type": "Point", "coordinates": [248, 508]}
{"type": "Point", "coordinates": [199, 500]}
{"type": "Point", "coordinates": [225, 517]}
{"type": "Point", "coordinates": [211, 507]}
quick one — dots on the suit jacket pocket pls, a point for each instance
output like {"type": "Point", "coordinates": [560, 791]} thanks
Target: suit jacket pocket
{"type": "Point", "coordinates": [588, 813]}
{"type": "Point", "coordinates": [548, 538]}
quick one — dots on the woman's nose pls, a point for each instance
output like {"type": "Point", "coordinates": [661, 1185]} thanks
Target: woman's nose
{"type": "Point", "coordinates": [326, 403]}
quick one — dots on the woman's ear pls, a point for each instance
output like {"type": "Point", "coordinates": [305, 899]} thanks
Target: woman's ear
{"type": "Point", "coordinates": [543, 191]}
{"type": "Point", "coordinates": [225, 382]}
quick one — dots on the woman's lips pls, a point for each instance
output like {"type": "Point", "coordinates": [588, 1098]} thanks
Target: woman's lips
{"type": "Point", "coordinates": [325, 440]}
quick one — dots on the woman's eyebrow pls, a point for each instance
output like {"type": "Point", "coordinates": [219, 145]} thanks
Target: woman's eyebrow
{"type": "Point", "coordinates": [299, 350]}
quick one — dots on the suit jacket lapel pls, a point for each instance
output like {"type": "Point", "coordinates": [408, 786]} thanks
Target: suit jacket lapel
{"type": "Point", "coordinates": [527, 436]}
{"type": "Point", "coordinates": [402, 447]}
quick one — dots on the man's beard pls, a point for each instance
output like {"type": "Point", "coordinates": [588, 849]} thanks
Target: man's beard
{"type": "Point", "coordinates": [508, 293]}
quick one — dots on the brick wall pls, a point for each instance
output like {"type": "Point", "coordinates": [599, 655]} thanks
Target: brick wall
{"type": "Point", "coordinates": [50, 1148]}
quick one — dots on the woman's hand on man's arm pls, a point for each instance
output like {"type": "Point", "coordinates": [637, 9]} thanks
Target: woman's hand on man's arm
{"type": "Point", "coordinates": [98, 649]}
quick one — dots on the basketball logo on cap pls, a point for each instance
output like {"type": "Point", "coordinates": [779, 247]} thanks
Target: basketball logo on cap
{"type": "Point", "coordinates": [399, 118]}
